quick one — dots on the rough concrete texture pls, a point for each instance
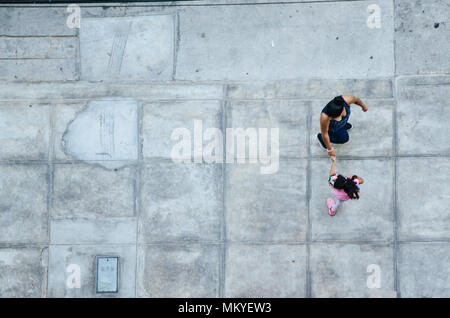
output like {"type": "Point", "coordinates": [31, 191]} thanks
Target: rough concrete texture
{"type": "Point", "coordinates": [23, 272]}
{"type": "Point", "coordinates": [134, 48]}
{"type": "Point", "coordinates": [62, 256]}
{"type": "Point", "coordinates": [276, 270]}
{"type": "Point", "coordinates": [341, 270]}
{"type": "Point", "coordinates": [28, 131]}
{"type": "Point", "coordinates": [87, 116]}
{"type": "Point", "coordinates": [23, 204]}
{"type": "Point", "coordinates": [179, 271]}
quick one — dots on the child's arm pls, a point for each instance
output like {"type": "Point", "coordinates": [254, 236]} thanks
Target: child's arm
{"type": "Point", "coordinates": [360, 180]}
{"type": "Point", "coordinates": [333, 163]}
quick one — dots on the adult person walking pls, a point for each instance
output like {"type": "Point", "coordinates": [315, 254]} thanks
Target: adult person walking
{"type": "Point", "coordinates": [334, 125]}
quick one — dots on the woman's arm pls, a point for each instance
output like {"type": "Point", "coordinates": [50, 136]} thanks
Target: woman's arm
{"type": "Point", "coordinates": [324, 123]}
{"type": "Point", "coordinates": [350, 99]}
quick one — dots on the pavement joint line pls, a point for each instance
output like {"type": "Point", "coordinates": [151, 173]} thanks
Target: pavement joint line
{"type": "Point", "coordinates": [78, 55]}
{"type": "Point", "coordinates": [176, 38]}
{"type": "Point", "coordinates": [134, 163]}
{"type": "Point", "coordinates": [37, 36]}
{"type": "Point", "coordinates": [50, 185]}
{"type": "Point", "coordinates": [138, 188]}
{"type": "Point", "coordinates": [308, 284]}
{"type": "Point", "coordinates": [5, 245]}
{"type": "Point", "coordinates": [224, 250]}
{"type": "Point", "coordinates": [395, 176]}
{"type": "Point", "coordinates": [171, 4]}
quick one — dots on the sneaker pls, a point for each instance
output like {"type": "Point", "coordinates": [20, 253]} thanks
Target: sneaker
{"type": "Point", "coordinates": [348, 126]}
{"type": "Point", "coordinates": [321, 143]}
{"type": "Point", "coordinates": [330, 203]}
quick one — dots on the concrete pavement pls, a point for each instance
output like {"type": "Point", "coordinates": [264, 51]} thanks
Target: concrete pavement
{"type": "Point", "coordinates": [86, 117]}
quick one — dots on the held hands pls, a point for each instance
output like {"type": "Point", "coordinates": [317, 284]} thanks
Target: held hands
{"type": "Point", "coordinates": [332, 153]}
{"type": "Point", "coordinates": [333, 158]}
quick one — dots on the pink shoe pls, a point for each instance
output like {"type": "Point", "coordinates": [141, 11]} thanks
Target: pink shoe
{"type": "Point", "coordinates": [330, 203]}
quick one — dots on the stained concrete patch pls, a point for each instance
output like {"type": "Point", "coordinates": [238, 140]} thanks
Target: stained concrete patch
{"type": "Point", "coordinates": [424, 271]}
{"type": "Point", "coordinates": [266, 207]}
{"type": "Point", "coordinates": [104, 133]}
{"type": "Point", "coordinates": [161, 119]}
{"type": "Point", "coordinates": [341, 270]}
{"type": "Point", "coordinates": [421, 198]}
{"type": "Point", "coordinates": [25, 131]}
{"type": "Point", "coordinates": [245, 43]}
{"type": "Point", "coordinates": [61, 257]}
{"type": "Point", "coordinates": [92, 192]}
{"type": "Point", "coordinates": [422, 30]}
{"type": "Point", "coordinates": [181, 202]}
{"type": "Point", "coordinates": [82, 231]}
{"type": "Point", "coordinates": [265, 271]}
{"type": "Point", "coordinates": [423, 103]}
{"type": "Point", "coordinates": [133, 48]}
{"type": "Point", "coordinates": [290, 117]}
{"type": "Point", "coordinates": [374, 128]}
{"type": "Point", "coordinates": [369, 218]}
{"type": "Point", "coordinates": [23, 203]}
{"type": "Point", "coordinates": [22, 272]}
{"type": "Point", "coordinates": [184, 271]}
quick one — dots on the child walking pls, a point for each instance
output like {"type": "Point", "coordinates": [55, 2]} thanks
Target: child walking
{"type": "Point", "coordinates": [344, 188]}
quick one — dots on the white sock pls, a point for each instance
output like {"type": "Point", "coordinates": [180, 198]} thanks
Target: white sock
{"type": "Point", "coordinates": [336, 205]}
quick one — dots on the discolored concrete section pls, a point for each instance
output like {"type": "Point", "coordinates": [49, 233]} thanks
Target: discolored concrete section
{"type": "Point", "coordinates": [87, 116]}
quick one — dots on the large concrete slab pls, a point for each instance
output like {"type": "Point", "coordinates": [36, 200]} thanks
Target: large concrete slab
{"type": "Point", "coordinates": [245, 42]}
{"type": "Point", "coordinates": [423, 102]}
{"type": "Point", "coordinates": [290, 117]}
{"type": "Point", "coordinates": [266, 207]}
{"type": "Point", "coordinates": [161, 119]}
{"type": "Point", "coordinates": [423, 270]}
{"type": "Point", "coordinates": [368, 219]}
{"type": "Point", "coordinates": [105, 132]}
{"type": "Point", "coordinates": [265, 271]}
{"type": "Point", "coordinates": [23, 204]}
{"type": "Point", "coordinates": [372, 133]}
{"type": "Point", "coordinates": [25, 133]}
{"type": "Point", "coordinates": [35, 21]}
{"type": "Point", "coordinates": [38, 47]}
{"type": "Point", "coordinates": [75, 184]}
{"type": "Point", "coordinates": [422, 191]}
{"type": "Point", "coordinates": [61, 270]}
{"type": "Point", "coordinates": [342, 270]}
{"type": "Point", "coordinates": [310, 88]}
{"type": "Point", "coordinates": [137, 48]}
{"type": "Point", "coordinates": [25, 70]}
{"type": "Point", "coordinates": [23, 272]}
{"type": "Point", "coordinates": [80, 231]}
{"type": "Point", "coordinates": [181, 202]}
{"type": "Point", "coordinates": [182, 271]}
{"type": "Point", "coordinates": [421, 36]}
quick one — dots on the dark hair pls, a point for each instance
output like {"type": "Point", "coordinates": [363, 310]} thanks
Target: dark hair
{"type": "Point", "coordinates": [335, 107]}
{"type": "Point", "coordinates": [348, 185]}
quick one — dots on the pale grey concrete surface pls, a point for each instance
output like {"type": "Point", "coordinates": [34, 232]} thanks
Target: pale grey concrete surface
{"type": "Point", "coordinates": [87, 115]}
